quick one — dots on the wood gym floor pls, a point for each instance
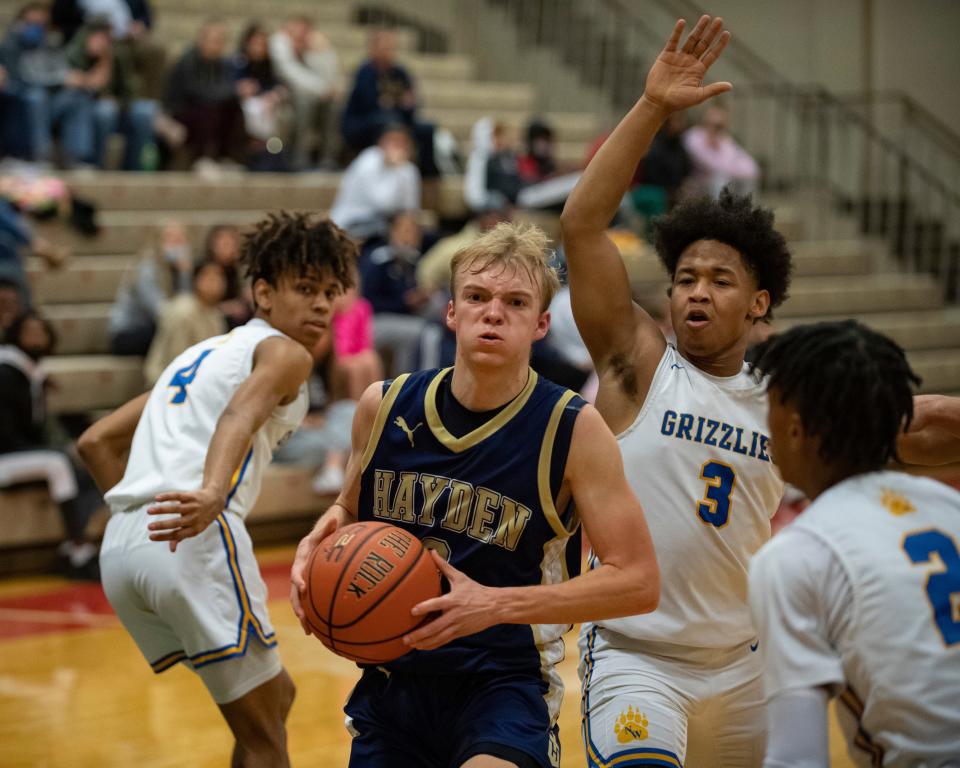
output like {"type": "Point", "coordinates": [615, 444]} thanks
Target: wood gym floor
{"type": "Point", "coordinates": [75, 692]}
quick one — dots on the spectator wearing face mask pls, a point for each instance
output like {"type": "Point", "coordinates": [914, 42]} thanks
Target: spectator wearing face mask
{"type": "Point", "coordinates": [27, 453]}
{"type": "Point", "coordinates": [38, 99]}
{"type": "Point", "coordinates": [165, 269]}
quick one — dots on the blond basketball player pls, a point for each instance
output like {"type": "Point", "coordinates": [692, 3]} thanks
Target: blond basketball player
{"type": "Point", "coordinates": [200, 443]}
{"type": "Point", "coordinates": [680, 685]}
{"type": "Point", "coordinates": [858, 598]}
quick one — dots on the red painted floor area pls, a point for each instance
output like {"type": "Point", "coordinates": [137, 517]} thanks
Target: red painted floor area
{"type": "Point", "coordinates": [78, 606]}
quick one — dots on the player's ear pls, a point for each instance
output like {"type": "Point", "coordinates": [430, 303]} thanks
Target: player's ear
{"type": "Point", "coordinates": [451, 316]}
{"type": "Point", "coordinates": [760, 305]}
{"type": "Point", "coordinates": [263, 294]}
{"type": "Point", "coordinates": [543, 325]}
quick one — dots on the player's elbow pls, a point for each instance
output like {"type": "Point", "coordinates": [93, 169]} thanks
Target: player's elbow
{"type": "Point", "coordinates": [89, 444]}
{"type": "Point", "coordinates": [647, 587]}
{"type": "Point", "coordinates": [572, 222]}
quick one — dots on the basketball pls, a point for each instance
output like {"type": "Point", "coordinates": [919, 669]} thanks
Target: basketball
{"type": "Point", "coordinates": [362, 582]}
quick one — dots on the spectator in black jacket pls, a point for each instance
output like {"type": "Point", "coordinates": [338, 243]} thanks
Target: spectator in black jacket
{"type": "Point", "coordinates": [26, 453]}
{"type": "Point", "coordinates": [201, 93]}
{"type": "Point", "coordinates": [383, 94]}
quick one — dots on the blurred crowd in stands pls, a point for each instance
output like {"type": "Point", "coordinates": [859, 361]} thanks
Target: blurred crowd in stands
{"type": "Point", "coordinates": [77, 72]}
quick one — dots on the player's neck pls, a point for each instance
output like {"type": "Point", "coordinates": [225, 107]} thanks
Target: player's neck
{"type": "Point", "coordinates": [822, 478]}
{"type": "Point", "coordinates": [727, 363]}
{"type": "Point", "coordinates": [487, 388]}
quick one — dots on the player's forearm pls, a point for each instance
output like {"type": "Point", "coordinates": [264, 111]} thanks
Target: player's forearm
{"type": "Point", "coordinates": [606, 592]}
{"type": "Point", "coordinates": [597, 196]}
{"type": "Point", "coordinates": [231, 441]}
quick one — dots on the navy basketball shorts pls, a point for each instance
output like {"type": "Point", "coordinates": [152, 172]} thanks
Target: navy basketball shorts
{"type": "Point", "coordinates": [403, 720]}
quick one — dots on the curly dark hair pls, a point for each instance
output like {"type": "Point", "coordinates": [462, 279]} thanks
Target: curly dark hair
{"type": "Point", "coordinates": [298, 243]}
{"type": "Point", "coordinates": [735, 221]}
{"type": "Point", "coordinates": [850, 385]}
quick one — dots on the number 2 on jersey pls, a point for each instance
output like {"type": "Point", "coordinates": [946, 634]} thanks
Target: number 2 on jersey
{"type": "Point", "coordinates": [714, 507]}
{"type": "Point", "coordinates": [943, 587]}
{"type": "Point", "coordinates": [184, 378]}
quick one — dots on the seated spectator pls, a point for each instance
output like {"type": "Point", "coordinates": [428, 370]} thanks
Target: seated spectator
{"type": "Point", "coordinates": [356, 362]}
{"type": "Point", "coordinates": [266, 110]}
{"type": "Point", "coordinates": [201, 93]}
{"type": "Point", "coordinates": [503, 179]}
{"type": "Point", "coordinates": [106, 76]}
{"type": "Point", "coordinates": [433, 269]}
{"type": "Point", "coordinates": [188, 319]}
{"type": "Point", "coordinates": [27, 455]}
{"type": "Point", "coordinates": [379, 183]}
{"type": "Point", "coordinates": [389, 283]}
{"type": "Point", "coordinates": [223, 246]}
{"type": "Point", "coordinates": [538, 163]}
{"type": "Point", "coordinates": [37, 88]}
{"type": "Point", "coordinates": [718, 161]}
{"type": "Point", "coordinates": [11, 303]}
{"type": "Point", "coordinates": [307, 64]}
{"type": "Point", "coordinates": [165, 269]}
{"type": "Point", "coordinates": [383, 94]}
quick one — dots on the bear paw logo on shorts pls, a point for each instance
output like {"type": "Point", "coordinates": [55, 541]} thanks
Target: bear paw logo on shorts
{"type": "Point", "coordinates": [631, 726]}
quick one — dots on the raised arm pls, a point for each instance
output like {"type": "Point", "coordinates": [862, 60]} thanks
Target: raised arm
{"type": "Point", "coordinates": [344, 510]}
{"type": "Point", "coordinates": [613, 326]}
{"type": "Point", "coordinates": [934, 434]}
{"type": "Point", "coordinates": [626, 581]}
{"type": "Point", "coordinates": [105, 445]}
{"type": "Point", "coordinates": [280, 366]}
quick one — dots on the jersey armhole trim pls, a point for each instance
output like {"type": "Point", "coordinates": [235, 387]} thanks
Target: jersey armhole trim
{"type": "Point", "coordinates": [383, 411]}
{"type": "Point", "coordinates": [543, 469]}
{"type": "Point", "coordinates": [658, 375]}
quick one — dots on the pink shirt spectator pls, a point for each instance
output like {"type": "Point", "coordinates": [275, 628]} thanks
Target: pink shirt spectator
{"type": "Point", "coordinates": [718, 161]}
{"type": "Point", "coordinates": [353, 329]}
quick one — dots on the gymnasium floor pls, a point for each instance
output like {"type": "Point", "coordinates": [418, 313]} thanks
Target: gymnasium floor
{"type": "Point", "coordinates": [75, 692]}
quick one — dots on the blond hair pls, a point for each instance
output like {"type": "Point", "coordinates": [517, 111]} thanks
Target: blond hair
{"type": "Point", "coordinates": [514, 245]}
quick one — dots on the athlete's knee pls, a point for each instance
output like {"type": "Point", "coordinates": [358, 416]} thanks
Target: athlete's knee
{"type": "Point", "coordinates": [288, 692]}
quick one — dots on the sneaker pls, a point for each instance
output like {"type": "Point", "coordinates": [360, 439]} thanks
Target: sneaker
{"type": "Point", "coordinates": [328, 481]}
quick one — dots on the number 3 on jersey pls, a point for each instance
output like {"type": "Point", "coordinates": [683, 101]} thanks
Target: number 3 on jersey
{"type": "Point", "coordinates": [714, 507]}
{"type": "Point", "coordinates": [184, 378]}
{"type": "Point", "coordinates": [943, 587]}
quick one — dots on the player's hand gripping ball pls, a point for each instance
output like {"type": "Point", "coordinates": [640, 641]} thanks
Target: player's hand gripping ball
{"type": "Point", "coordinates": [362, 580]}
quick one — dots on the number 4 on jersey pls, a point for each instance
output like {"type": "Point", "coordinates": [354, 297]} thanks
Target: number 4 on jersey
{"type": "Point", "coordinates": [184, 378]}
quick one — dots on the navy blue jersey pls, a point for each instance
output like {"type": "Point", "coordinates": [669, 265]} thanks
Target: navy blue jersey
{"type": "Point", "coordinates": [487, 501]}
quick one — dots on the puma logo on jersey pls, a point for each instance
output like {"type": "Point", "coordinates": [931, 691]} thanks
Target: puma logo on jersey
{"type": "Point", "coordinates": [402, 423]}
{"type": "Point", "coordinates": [631, 726]}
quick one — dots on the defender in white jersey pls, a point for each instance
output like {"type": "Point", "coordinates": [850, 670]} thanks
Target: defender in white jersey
{"type": "Point", "coordinates": [860, 596]}
{"type": "Point", "coordinates": [681, 684]}
{"type": "Point", "coordinates": [176, 561]}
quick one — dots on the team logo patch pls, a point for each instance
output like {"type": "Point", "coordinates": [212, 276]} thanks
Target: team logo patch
{"type": "Point", "coordinates": [402, 423]}
{"type": "Point", "coordinates": [631, 726]}
{"type": "Point", "coordinates": [896, 503]}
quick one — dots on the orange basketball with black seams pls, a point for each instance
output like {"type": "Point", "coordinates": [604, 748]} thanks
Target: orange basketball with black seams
{"type": "Point", "coordinates": [362, 582]}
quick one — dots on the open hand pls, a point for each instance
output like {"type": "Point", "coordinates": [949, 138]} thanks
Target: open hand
{"type": "Point", "coordinates": [675, 80]}
{"type": "Point", "coordinates": [467, 608]}
{"type": "Point", "coordinates": [193, 511]}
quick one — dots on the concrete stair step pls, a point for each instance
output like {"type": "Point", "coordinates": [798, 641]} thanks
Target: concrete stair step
{"type": "Point", "coordinates": [821, 258]}
{"type": "Point", "coordinates": [87, 279]}
{"type": "Point", "coordinates": [939, 369]}
{"type": "Point", "coordinates": [824, 296]}
{"type": "Point", "coordinates": [236, 190]}
{"type": "Point", "coordinates": [89, 382]}
{"type": "Point", "coordinates": [82, 329]}
{"type": "Point", "coordinates": [919, 330]}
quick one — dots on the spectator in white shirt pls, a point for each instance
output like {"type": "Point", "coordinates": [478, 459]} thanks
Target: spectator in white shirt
{"type": "Point", "coordinates": [307, 64]}
{"type": "Point", "coordinates": [380, 182]}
